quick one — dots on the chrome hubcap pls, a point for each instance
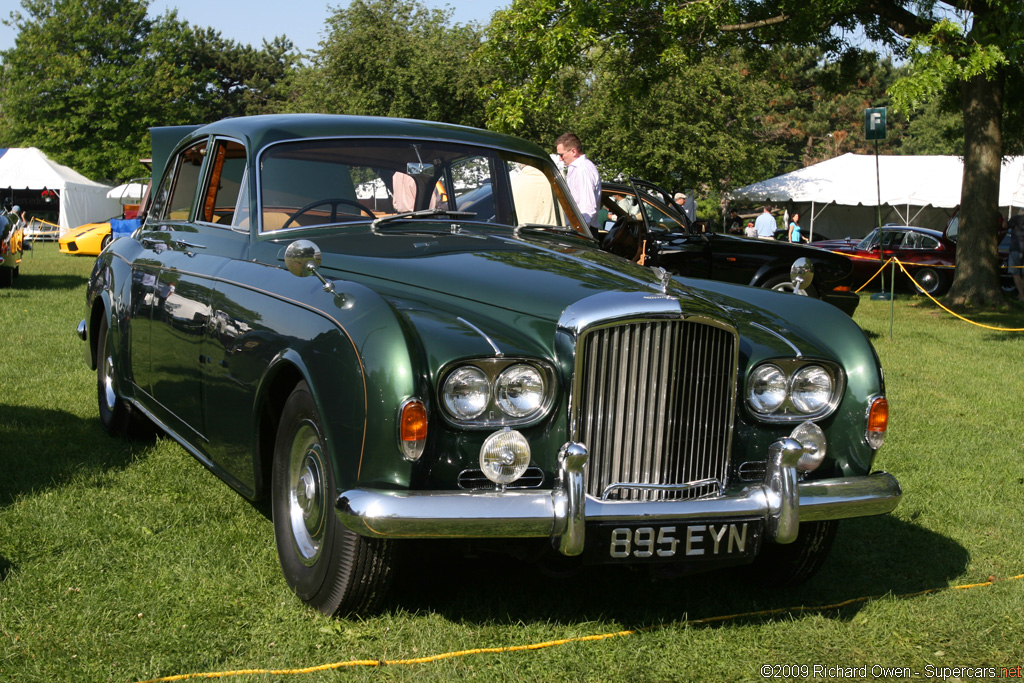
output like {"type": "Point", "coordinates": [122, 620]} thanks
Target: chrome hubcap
{"type": "Point", "coordinates": [108, 383]}
{"type": "Point", "coordinates": [307, 487]}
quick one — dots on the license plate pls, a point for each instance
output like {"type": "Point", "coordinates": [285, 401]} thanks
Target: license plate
{"type": "Point", "coordinates": [680, 542]}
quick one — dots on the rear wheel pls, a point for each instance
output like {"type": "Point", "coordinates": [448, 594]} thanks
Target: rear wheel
{"type": "Point", "coordinates": [105, 242]}
{"type": "Point", "coordinates": [791, 564]}
{"type": "Point", "coordinates": [114, 412]}
{"type": "Point", "coordinates": [928, 281]}
{"type": "Point", "coordinates": [6, 277]}
{"type": "Point", "coordinates": [329, 567]}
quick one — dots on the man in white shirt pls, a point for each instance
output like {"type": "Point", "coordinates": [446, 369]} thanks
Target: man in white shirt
{"type": "Point", "coordinates": [582, 177]}
{"type": "Point", "coordinates": [766, 224]}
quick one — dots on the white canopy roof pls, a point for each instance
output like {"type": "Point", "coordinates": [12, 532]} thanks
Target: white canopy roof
{"type": "Point", "coordinates": [851, 179]}
{"type": "Point", "coordinates": [127, 191]}
{"type": "Point", "coordinates": [81, 199]}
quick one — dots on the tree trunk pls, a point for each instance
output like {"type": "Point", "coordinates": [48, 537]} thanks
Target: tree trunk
{"type": "Point", "coordinates": [976, 282]}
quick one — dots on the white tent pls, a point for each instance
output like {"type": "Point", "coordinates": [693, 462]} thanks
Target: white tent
{"type": "Point", "coordinates": [81, 200]}
{"type": "Point", "coordinates": [841, 196]}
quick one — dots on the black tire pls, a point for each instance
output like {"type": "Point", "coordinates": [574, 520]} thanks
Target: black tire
{"type": "Point", "coordinates": [929, 281]}
{"type": "Point", "coordinates": [6, 277]}
{"type": "Point", "coordinates": [782, 283]}
{"type": "Point", "coordinates": [329, 567]}
{"type": "Point", "coordinates": [791, 564]}
{"type": "Point", "coordinates": [106, 241]}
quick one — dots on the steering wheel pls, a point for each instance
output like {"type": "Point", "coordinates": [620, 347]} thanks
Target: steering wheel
{"type": "Point", "coordinates": [333, 203]}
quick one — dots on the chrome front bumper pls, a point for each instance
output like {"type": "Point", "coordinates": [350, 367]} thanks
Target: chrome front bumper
{"type": "Point", "coordinates": [563, 512]}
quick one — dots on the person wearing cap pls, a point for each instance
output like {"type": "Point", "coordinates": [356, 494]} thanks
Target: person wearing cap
{"type": "Point", "coordinates": [687, 205]}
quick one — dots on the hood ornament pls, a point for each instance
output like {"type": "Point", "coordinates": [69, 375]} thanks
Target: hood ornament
{"type": "Point", "coordinates": [664, 278]}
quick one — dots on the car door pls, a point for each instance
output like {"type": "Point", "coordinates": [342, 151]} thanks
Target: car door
{"type": "Point", "coordinates": [189, 233]}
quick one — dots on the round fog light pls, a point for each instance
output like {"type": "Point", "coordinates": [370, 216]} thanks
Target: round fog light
{"type": "Point", "coordinates": [813, 441]}
{"type": "Point", "coordinates": [504, 456]}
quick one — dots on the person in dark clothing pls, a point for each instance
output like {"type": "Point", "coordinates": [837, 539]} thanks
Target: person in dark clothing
{"type": "Point", "coordinates": [1016, 260]}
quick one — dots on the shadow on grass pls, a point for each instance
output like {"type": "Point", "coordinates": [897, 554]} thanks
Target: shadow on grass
{"type": "Point", "coordinates": [5, 568]}
{"type": "Point", "coordinates": [28, 281]}
{"type": "Point", "coordinates": [44, 447]}
{"type": "Point", "coordinates": [871, 557]}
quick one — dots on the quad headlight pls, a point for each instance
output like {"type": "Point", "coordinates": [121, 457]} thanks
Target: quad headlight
{"type": "Point", "coordinates": [792, 390]}
{"type": "Point", "coordinates": [466, 392]}
{"type": "Point", "coordinates": [490, 392]}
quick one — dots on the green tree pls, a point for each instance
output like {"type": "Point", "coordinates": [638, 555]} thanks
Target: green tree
{"type": "Point", "coordinates": [86, 79]}
{"type": "Point", "coordinates": [395, 58]}
{"type": "Point", "coordinates": [974, 46]}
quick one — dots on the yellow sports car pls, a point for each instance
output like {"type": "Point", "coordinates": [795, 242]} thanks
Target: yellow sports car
{"type": "Point", "coordinates": [89, 239]}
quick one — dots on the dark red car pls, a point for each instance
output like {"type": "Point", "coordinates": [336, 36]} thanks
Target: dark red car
{"type": "Point", "coordinates": [927, 254]}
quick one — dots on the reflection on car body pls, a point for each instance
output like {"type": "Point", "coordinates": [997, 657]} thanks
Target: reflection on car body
{"type": "Point", "coordinates": [479, 377]}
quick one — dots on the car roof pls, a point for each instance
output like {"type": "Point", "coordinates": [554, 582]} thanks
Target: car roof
{"type": "Point", "coordinates": [262, 130]}
{"type": "Point", "coordinates": [912, 228]}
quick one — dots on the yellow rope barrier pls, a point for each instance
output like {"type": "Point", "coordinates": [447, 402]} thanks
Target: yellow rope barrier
{"type": "Point", "coordinates": [952, 313]}
{"type": "Point", "coordinates": [563, 641]}
{"type": "Point", "coordinates": [947, 310]}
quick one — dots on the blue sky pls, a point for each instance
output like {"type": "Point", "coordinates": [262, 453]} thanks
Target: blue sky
{"type": "Point", "coordinates": [253, 20]}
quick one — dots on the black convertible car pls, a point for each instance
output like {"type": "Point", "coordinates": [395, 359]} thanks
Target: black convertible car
{"type": "Point", "coordinates": [643, 224]}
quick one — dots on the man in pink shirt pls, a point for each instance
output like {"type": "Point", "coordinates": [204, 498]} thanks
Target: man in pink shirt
{"type": "Point", "coordinates": [582, 177]}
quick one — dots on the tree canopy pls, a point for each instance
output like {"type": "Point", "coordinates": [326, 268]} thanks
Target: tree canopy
{"type": "Point", "coordinates": [395, 58]}
{"type": "Point", "coordinates": [87, 78]}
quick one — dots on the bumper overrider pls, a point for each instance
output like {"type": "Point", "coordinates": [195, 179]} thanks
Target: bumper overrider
{"type": "Point", "coordinates": [563, 512]}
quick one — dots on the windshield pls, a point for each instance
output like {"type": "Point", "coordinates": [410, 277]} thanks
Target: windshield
{"type": "Point", "coordinates": [356, 181]}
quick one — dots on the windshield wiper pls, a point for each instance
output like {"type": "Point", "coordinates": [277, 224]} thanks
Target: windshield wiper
{"type": "Point", "coordinates": [425, 213]}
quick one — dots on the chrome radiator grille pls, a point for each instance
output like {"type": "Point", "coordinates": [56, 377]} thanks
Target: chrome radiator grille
{"type": "Point", "coordinates": [654, 404]}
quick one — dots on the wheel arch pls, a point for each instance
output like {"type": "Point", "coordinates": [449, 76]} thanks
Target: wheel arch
{"type": "Point", "coordinates": [273, 393]}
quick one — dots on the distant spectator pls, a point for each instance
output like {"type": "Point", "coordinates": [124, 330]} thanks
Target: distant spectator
{"type": "Point", "coordinates": [766, 224]}
{"type": "Point", "coordinates": [750, 230]}
{"type": "Point", "coordinates": [734, 224]}
{"type": "Point", "coordinates": [1016, 260]}
{"type": "Point", "coordinates": [793, 233]}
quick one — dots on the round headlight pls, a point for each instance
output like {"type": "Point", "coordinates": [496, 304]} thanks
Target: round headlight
{"type": "Point", "coordinates": [812, 389]}
{"type": "Point", "coordinates": [767, 388]}
{"type": "Point", "coordinates": [504, 456]}
{"type": "Point", "coordinates": [466, 392]}
{"type": "Point", "coordinates": [519, 390]}
{"type": "Point", "coordinates": [812, 438]}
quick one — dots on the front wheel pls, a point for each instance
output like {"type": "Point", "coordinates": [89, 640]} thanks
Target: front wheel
{"type": "Point", "coordinates": [329, 567]}
{"type": "Point", "coordinates": [790, 564]}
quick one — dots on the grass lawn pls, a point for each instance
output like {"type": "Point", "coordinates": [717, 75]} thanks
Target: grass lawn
{"type": "Point", "coordinates": [128, 561]}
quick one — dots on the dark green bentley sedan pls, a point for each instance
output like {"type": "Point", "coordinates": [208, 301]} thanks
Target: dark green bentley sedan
{"type": "Point", "coordinates": [393, 329]}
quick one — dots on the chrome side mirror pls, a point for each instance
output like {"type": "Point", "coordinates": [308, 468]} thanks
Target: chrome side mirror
{"type": "Point", "coordinates": [302, 258]}
{"type": "Point", "coordinates": [802, 274]}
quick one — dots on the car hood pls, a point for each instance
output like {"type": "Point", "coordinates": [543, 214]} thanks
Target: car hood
{"type": "Point", "coordinates": [539, 273]}
{"type": "Point", "coordinates": [87, 227]}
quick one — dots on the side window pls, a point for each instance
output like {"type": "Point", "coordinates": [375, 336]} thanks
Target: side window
{"type": "Point", "coordinates": [181, 185]}
{"type": "Point", "coordinates": [220, 196]}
